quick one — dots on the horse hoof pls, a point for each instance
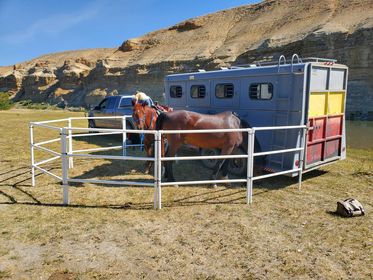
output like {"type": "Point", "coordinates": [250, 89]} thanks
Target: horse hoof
{"type": "Point", "coordinates": [214, 186]}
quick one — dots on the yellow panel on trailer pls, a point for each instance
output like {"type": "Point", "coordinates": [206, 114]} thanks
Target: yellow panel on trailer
{"type": "Point", "coordinates": [317, 105]}
{"type": "Point", "coordinates": [336, 103]}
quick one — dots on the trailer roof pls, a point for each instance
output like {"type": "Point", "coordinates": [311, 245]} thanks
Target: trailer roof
{"type": "Point", "coordinates": [237, 71]}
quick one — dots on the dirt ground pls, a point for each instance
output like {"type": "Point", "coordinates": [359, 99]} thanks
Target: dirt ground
{"type": "Point", "coordinates": [201, 233]}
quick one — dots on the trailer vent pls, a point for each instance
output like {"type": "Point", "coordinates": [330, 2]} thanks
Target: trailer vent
{"type": "Point", "coordinates": [224, 90]}
{"type": "Point", "coordinates": [176, 91]}
{"type": "Point", "coordinates": [198, 91]}
{"type": "Point", "coordinates": [263, 91]}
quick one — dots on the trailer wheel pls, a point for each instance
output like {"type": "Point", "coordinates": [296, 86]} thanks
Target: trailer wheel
{"type": "Point", "coordinates": [209, 163]}
{"type": "Point", "coordinates": [238, 166]}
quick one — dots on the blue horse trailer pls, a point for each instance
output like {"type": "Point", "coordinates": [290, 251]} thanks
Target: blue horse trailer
{"type": "Point", "coordinates": [311, 92]}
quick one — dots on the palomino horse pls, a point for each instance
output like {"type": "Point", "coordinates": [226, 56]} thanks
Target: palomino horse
{"type": "Point", "coordinates": [145, 118]}
{"type": "Point", "coordinates": [186, 120]}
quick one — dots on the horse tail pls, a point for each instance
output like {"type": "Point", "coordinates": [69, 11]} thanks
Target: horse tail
{"type": "Point", "coordinates": [243, 124]}
{"type": "Point", "coordinates": [259, 161]}
{"type": "Point", "coordinates": [160, 120]}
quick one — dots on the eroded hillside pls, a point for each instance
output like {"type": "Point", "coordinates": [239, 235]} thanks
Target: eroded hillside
{"type": "Point", "coordinates": [338, 29]}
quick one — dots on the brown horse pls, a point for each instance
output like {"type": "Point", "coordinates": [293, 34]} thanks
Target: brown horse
{"type": "Point", "coordinates": [145, 118]}
{"type": "Point", "coordinates": [186, 120]}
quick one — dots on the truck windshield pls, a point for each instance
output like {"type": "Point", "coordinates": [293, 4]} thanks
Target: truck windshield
{"type": "Point", "coordinates": [125, 102]}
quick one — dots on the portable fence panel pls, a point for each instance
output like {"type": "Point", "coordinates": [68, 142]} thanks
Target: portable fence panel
{"type": "Point", "coordinates": [67, 154]}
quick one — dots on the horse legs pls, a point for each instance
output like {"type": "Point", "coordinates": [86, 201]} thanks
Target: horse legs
{"type": "Point", "coordinates": [173, 146]}
{"type": "Point", "coordinates": [223, 164]}
{"type": "Point", "coordinates": [148, 140]}
{"type": "Point", "coordinates": [163, 153]}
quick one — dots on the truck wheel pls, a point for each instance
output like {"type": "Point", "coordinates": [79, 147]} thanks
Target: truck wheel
{"type": "Point", "coordinates": [209, 163]}
{"type": "Point", "coordinates": [238, 166]}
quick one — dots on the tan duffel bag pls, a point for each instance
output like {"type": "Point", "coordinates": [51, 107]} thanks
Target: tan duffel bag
{"type": "Point", "coordinates": [350, 207]}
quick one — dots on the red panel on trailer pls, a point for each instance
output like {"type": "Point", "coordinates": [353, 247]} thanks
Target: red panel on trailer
{"type": "Point", "coordinates": [318, 131]}
{"type": "Point", "coordinates": [324, 140]}
{"type": "Point", "coordinates": [334, 126]}
{"type": "Point", "coordinates": [332, 148]}
{"type": "Point", "coordinates": [316, 139]}
{"type": "Point", "coordinates": [315, 152]}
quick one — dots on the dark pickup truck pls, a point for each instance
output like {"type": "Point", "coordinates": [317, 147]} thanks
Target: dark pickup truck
{"type": "Point", "coordinates": [118, 105]}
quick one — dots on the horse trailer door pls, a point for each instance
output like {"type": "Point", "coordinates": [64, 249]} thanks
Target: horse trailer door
{"type": "Point", "coordinates": [326, 107]}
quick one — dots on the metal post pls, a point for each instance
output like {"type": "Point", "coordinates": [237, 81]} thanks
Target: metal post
{"type": "Point", "coordinates": [248, 165]}
{"type": "Point", "coordinates": [158, 171]}
{"type": "Point", "coordinates": [250, 168]}
{"type": "Point", "coordinates": [65, 166]}
{"type": "Point", "coordinates": [301, 156]}
{"type": "Point", "coordinates": [32, 155]}
{"type": "Point", "coordinates": [71, 159]}
{"type": "Point", "coordinates": [124, 136]}
{"type": "Point", "coordinates": [155, 169]}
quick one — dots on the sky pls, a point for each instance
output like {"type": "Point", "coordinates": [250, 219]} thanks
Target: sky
{"type": "Point", "coordinates": [32, 28]}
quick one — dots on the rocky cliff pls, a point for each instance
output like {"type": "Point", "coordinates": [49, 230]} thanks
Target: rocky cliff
{"type": "Point", "coordinates": [340, 29]}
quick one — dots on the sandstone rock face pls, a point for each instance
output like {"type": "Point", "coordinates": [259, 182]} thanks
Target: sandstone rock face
{"type": "Point", "coordinates": [340, 29]}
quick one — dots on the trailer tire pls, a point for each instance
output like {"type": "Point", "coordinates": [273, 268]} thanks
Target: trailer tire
{"type": "Point", "coordinates": [209, 163]}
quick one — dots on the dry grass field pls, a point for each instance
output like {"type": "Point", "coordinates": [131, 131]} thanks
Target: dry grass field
{"type": "Point", "coordinates": [201, 233]}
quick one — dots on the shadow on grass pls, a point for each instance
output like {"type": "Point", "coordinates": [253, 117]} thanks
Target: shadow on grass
{"type": "Point", "coordinates": [279, 182]}
{"type": "Point", "coordinates": [182, 202]}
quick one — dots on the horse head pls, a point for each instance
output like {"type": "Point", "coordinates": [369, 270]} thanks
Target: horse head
{"type": "Point", "coordinates": [143, 116]}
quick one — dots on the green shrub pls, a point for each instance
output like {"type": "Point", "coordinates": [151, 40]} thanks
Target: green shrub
{"type": "Point", "coordinates": [5, 102]}
{"type": "Point", "coordinates": [35, 106]}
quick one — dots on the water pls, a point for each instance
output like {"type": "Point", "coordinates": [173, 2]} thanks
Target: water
{"type": "Point", "coordinates": [359, 134]}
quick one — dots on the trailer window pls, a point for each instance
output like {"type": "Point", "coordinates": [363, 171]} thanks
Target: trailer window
{"type": "Point", "coordinates": [224, 90]}
{"type": "Point", "coordinates": [176, 91]}
{"type": "Point", "coordinates": [198, 91]}
{"type": "Point", "coordinates": [263, 91]}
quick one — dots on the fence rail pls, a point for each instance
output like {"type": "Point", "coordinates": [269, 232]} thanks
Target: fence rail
{"type": "Point", "coordinates": [67, 154]}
